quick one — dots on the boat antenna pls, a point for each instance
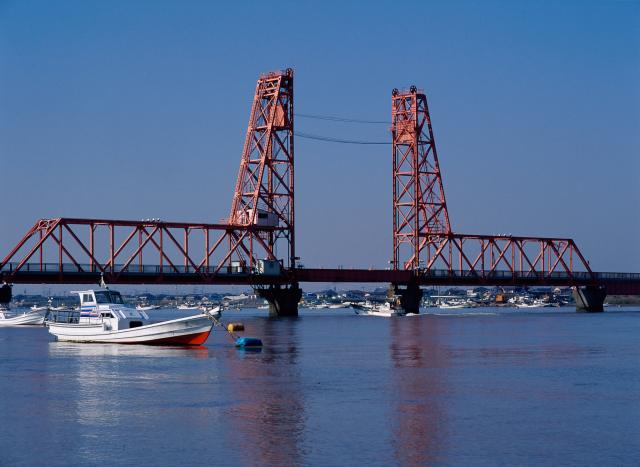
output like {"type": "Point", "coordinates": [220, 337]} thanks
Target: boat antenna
{"type": "Point", "coordinates": [102, 283]}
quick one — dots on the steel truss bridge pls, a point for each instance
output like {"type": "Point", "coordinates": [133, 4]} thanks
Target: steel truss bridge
{"type": "Point", "coordinates": [261, 222]}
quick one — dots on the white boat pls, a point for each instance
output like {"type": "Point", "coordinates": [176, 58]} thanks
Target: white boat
{"type": "Point", "coordinates": [453, 306]}
{"type": "Point", "coordinates": [10, 318]}
{"type": "Point", "coordinates": [147, 307]}
{"type": "Point", "coordinates": [44, 307]}
{"type": "Point", "coordinates": [103, 317]}
{"type": "Point", "coordinates": [188, 306]}
{"type": "Point", "coordinates": [384, 310]}
{"type": "Point", "coordinates": [215, 311]}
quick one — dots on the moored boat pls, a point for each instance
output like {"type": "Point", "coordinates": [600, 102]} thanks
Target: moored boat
{"type": "Point", "coordinates": [30, 317]}
{"type": "Point", "coordinates": [384, 310]}
{"type": "Point", "coordinates": [147, 307]}
{"type": "Point", "coordinates": [215, 311]}
{"type": "Point", "coordinates": [103, 317]}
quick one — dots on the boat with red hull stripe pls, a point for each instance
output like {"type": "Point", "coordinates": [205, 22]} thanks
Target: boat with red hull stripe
{"type": "Point", "coordinates": [105, 318]}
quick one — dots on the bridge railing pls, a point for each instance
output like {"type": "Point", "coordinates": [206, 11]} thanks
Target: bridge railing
{"type": "Point", "coordinates": [118, 268]}
{"type": "Point", "coordinates": [463, 276]}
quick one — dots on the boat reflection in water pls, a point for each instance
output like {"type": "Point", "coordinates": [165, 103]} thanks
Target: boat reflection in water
{"type": "Point", "coordinates": [110, 397]}
{"type": "Point", "coordinates": [85, 350]}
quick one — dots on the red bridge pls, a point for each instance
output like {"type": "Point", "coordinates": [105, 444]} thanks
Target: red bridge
{"type": "Point", "coordinates": [256, 244]}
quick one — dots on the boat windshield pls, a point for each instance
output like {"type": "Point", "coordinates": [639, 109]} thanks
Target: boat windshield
{"type": "Point", "coordinates": [104, 296]}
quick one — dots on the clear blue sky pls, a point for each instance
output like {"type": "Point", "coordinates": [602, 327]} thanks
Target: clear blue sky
{"type": "Point", "coordinates": [134, 109]}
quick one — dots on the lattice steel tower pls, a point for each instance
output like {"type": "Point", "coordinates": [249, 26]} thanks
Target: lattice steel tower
{"type": "Point", "coordinates": [420, 217]}
{"type": "Point", "coordinates": [264, 195]}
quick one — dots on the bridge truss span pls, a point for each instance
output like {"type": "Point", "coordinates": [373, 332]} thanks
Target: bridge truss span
{"type": "Point", "coordinates": [114, 248]}
{"type": "Point", "coordinates": [423, 240]}
{"type": "Point", "coordinates": [482, 256]}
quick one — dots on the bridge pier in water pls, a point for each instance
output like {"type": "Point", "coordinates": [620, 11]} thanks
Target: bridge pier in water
{"type": "Point", "coordinates": [283, 301]}
{"type": "Point", "coordinates": [590, 298]}
{"type": "Point", "coordinates": [5, 294]}
{"type": "Point", "coordinates": [409, 296]}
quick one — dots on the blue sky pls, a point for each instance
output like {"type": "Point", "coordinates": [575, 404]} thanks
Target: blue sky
{"type": "Point", "coordinates": [138, 109]}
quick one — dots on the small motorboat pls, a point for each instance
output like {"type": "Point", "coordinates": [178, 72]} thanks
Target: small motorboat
{"type": "Point", "coordinates": [452, 306]}
{"type": "Point", "coordinates": [188, 306]}
{"type": "Point", "coordinates": [215, 311]}
{"type": "Point", "coordinates": [143, 307]}
{"type": "Point", "coordinates": [30, 317]}
{"type": "Point", "coordinates": [384, 310]}
{"type": "Point", "coordinates": [42, 307]}
{"type": "Point", "coordinates": [103, 317]}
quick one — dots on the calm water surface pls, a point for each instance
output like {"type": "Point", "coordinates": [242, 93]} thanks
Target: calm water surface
{"type": "Point", "coordinates": [489, 387]}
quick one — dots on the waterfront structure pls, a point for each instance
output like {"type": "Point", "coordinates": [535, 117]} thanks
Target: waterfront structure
{"type": "Point", "coordinates": [242, 249]}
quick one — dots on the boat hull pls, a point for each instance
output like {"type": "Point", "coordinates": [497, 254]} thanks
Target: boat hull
{"type": "Point", "coordinates": [192, 330]}
{"type": "Point", "coordinates": [33, 318]}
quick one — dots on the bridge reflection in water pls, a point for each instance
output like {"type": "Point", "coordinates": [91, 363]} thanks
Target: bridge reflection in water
{"type": "Point", "coordinates": [331, 388]}
{"type": "Point", "coordinates": [419, 366]}
{"type": "Point", "coordinates": [267, 414]}
{"type": "Point", "coordinates": [362, 404]}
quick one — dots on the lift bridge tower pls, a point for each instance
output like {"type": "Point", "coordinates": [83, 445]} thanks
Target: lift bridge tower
{"type": "Point", "coordinates": [420, 216]}
{"type": "Point", "coordinates": [264, 194]}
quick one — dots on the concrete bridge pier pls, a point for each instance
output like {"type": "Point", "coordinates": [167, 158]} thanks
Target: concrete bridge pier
{"type": "Point", "coordinates": [409, 296]}
{"type": "Point", "coordinates": [590, 298]}
{"type": "Point", "coordinates": [283, 301]}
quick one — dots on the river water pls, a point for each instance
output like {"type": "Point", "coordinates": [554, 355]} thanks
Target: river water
{"type": "Point", "coordinates": [482, 387]}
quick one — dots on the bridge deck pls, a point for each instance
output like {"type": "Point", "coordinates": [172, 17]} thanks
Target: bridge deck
{"type": "Point", "coordinates": [617, 283]}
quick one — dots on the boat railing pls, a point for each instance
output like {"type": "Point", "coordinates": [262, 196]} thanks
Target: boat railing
{"type": "Point", "coordinates": [64, 316]}
{"type": "Point", "coordinates": [73, 317]}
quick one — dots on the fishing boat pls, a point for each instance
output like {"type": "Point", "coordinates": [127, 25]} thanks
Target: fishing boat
{"type": "Point", "coordinates": [384, 310]}
{"type": "Point", "coordinates": [103, 317]}
{"type": "Point", "coordinates": [29, 317]}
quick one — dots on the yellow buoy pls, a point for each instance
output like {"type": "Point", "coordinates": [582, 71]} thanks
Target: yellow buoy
{"type": "Point", "coordinates": [234, 327]}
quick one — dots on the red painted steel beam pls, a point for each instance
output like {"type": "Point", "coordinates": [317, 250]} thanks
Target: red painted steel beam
{"type": "Point", "coordinates": [166, 224]}
{"type": "Point", "coordinates": [264, 191]}
{"type": "Point", "coordinates": [80, 247]}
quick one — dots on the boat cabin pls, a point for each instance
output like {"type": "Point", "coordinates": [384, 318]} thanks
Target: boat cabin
{"type": "Point", "coordinates": [104, 307]}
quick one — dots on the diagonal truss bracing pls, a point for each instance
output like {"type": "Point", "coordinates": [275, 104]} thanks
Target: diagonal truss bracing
{"type": "Point", "coordinates": [422, 237]}
{"type": "Point", "coordinates": [419, 205]}
{"type": "Point", "coordinates": [114, 247]}
{"type": "Point", "coordinates": [264, 194]}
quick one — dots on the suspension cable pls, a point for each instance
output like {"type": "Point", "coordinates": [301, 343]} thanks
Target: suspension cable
{"type": "Point", "coordinates": [332, 118]}
{"type": "Point", "coordinates": [330, 139]}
